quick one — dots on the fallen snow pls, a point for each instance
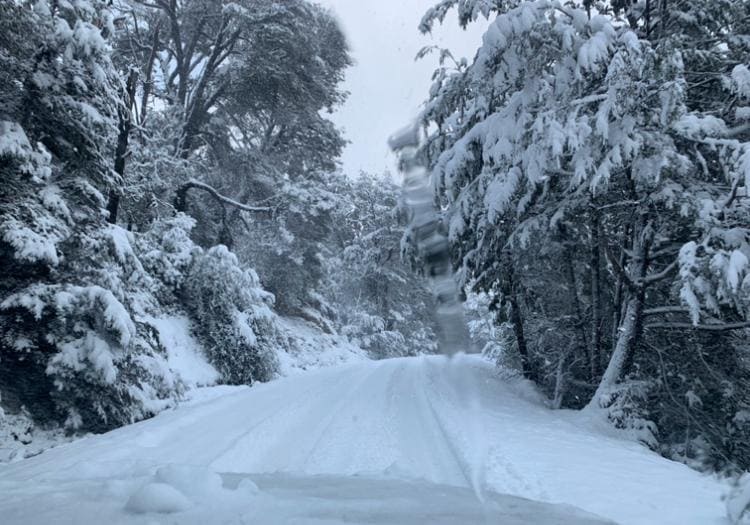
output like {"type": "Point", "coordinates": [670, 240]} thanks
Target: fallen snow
{"type": "Point", "coordinates": [313, 349]}
{"type": "Point", "coordinates": [157, 497]}
{"type": "Point", "coordinates": [414, 440]}
{"type": "Point", "coordinates": [738, 500]}
{"type": "Point", "coordinates": [184, 353]}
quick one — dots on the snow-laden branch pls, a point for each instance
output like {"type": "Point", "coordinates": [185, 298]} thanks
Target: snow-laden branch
{"type": "Point", "coordinates": [180, 201]}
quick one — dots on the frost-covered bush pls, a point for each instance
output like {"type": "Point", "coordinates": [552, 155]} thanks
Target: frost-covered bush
{"type": "Point", "coordinates": [83, 342]}
{"type": "Point", "coordinates": [233, 317]}
{"type": "Point", "coordinates": [97, 364]}
{"type": "Point", "coordinates": [167, 253]}
{"type": "Point", "coordinates": [380, 301]}
{"type": "Point", "coordinates": [371, 333]}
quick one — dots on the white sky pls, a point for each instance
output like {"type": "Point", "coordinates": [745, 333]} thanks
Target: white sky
{"type": "Point", "coordinates": [387, 86]}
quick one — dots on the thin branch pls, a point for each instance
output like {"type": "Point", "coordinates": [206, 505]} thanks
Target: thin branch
{"type": "Point", "coordinates": [656, 277]}
{"type": "Point", "coordinates": [726, 327]}
{"type": "Point", "coordinates": [194, 184]}
{"type": "Point", "coordinates": [619, 270]}
{"type": "Point", "coordinates": [666, 310]}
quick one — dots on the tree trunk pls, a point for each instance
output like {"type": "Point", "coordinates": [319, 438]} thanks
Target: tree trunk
{"type": "Point", "coordinates": [618, 309]}
{"type": "Point", "coordinates": [627, 336]}
{"type": "Point", "coordinates": [632, 321]}
{"type": "Point", "coordinates": [148, 80]}
{"type": "Point", "coordinates": [123, 137]}
{"type": "Point", "coordinates": [516, 318]}
{"type": "Point", "coordinates": [560, 379]}
{"type": "Point", "coordinates": [596, 303]}
{"type": "Point", "coordinates": [580, 323]}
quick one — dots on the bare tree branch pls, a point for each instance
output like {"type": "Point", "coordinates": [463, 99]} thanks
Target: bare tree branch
{"type": "Point", "coordinates": [726, 327]}
{"type": "Point", "coordinates": [656, 277]}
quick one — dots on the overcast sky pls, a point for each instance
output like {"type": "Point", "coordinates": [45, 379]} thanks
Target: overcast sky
{"type": "Point", "coordinates": [387, 86]}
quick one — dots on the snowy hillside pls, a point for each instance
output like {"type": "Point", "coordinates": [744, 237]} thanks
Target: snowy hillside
{"type": "Point", "coordinates": [398, 441]}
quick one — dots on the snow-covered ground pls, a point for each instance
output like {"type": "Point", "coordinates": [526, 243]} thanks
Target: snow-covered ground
{"type": "Point", "coordinates": [184, 354]}
{"type": "Point", "coordinates": [414, 440]}
{"type": "Point", "coordinates": [312, 348]}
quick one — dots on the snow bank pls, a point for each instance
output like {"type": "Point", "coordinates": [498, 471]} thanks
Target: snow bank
{"type": "Point", "coordinates": [195, 482]}
{"type": "Point", "coordinates": [287, 499]}
{"type": "Point", "coordinates": [177, 488]}
{"type": "Point", "coordinates": [184, 353]}
{"type": "Point", "coordinates": [312, 348]}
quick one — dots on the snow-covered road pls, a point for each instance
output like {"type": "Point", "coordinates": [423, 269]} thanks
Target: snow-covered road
{"type": "Point", "coordinates": [400, 441]}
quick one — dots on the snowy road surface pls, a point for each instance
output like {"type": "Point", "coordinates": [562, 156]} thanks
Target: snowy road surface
{"type": "Point", "coordinates": [400, 441]}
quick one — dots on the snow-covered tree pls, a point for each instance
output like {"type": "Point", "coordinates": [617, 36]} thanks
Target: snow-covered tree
{"type": "Point", "coordinates": [591, 168]}
{"type": "Point", "coordinates": [235, 97]}
{"type": "Point", "coordinates": [55, 138]}
{"type": "Point", "coordinates": [79, 294]}
{"type": "Point", "coordinates": [380, 302]}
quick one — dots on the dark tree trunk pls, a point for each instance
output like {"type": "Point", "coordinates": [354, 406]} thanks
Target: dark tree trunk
{"type": "Point", "coordinates": [510, 290]}
{"type": "Point", "coordinates": [148, 80]}
{"type": "Point", "coordinates": [580, 322]}
{"type": "Point", "coordinates": [123, 137]}
{"type": "Point", "coordinates": [596, 298]}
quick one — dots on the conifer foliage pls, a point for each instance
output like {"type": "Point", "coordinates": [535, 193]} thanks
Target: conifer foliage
{"type": "Point", "coordinates": [592, 164]}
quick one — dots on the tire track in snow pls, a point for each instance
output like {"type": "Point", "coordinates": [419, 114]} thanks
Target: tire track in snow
{"type": "Point", "coordinates": [269, 414]}
{"type": "Point", "coordinates": [335, 415]}
{"type": "Point", "coordinates": [434, 373]}
{"type": "Point", "coordinates": [282, 441]}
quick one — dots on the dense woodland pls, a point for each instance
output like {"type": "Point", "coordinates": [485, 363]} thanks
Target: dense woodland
{"type": "Point", "coordinates": [590, 164]}
{"type": "Point", "coordinates": [164, 156]}
{"type": "Point", "coordinates": [593, 164]}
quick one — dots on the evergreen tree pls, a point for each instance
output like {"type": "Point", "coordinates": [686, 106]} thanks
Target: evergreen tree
{"type": "Point", "coordinates": [591, 172]}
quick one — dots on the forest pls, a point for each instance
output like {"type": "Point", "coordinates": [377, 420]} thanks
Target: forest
{"type": "Point", "coordinates": [175, 157]}
{"type": "Point", "coordinates": [170, 171]}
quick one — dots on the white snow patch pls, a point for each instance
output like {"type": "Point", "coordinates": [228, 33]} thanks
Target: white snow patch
{"type": "Point", "coordinates": [738, 501]}
{"type": "Point", "coordinates": [312, 348]}
{"type": "Point", "coordinates": [184, 353]}
{"type": "Point", "coordinates": [157, 497]}
{"type": "Point", "coordinates": [197, 483]}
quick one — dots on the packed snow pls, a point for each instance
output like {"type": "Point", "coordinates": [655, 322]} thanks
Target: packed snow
{"type": "Point", "coordinates": [411, 440]}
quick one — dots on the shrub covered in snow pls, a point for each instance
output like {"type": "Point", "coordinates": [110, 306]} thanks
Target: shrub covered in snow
{"type": "Point", "coordinates": [233, 317]}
